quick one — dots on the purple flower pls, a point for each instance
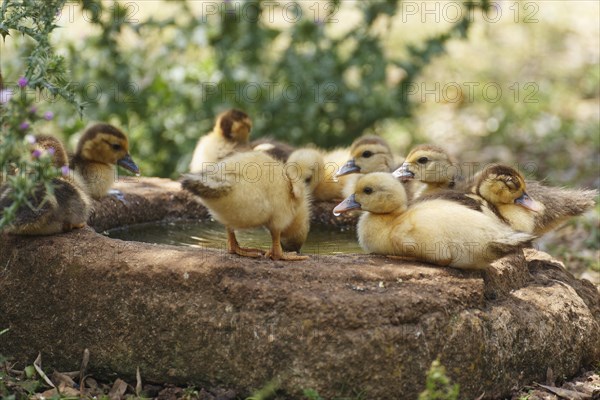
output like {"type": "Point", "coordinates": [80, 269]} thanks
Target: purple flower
{"type": "Point", "coordinates": [33, 110]}
{"type": "Point", "coordinates": [48, 115]}
{"type": "Point", "coordinates": [36, 154]}
{"type": "Point", "coordinates": [64, 170]}
{"type": "Point", "coordinates": [22, 82]}
{"type": "Point", "coordinates": [51, 151]}
{"type": "Point", "coordinates": [24, 126]}
{"type": "Point", "coordinates": [30, 139]}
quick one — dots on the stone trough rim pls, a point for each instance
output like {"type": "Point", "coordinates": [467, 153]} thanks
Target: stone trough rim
{"type": "Point", "coordinates": [540, 266]}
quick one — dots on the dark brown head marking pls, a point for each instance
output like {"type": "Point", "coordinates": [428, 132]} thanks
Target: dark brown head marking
{"type": "Point", "coordinates": [96, 129]}
{"type": "Point", "coordinates": [228, 118]}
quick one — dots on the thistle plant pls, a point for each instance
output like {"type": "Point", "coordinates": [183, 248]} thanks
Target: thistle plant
{"type": "Point", "coordinates": [23, 167]}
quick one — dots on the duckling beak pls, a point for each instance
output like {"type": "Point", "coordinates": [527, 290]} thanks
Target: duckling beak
{"type": "Point", "coordinates": [348, 168]}
{"type": "Point", "coordinates": [403, 173]}
{"type": "Point", "coordinates": [528, 203]}
{"type": "Point", "coordinates": [130, 165]}
{"type": "Point", "coordinates": [346, 205]}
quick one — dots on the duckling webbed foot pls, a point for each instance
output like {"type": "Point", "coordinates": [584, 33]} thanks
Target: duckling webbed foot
{"type": "Point", "coordinates": [274, 255]}
{"type": "Point", "coordinates": [276, 251]}
{"type": "Point", "coordinates": [233, 247]}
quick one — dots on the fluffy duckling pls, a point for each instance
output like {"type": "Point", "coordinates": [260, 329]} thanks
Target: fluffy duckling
{"type": "Point", "coordinates": [432, 166]}
{"type": "Point", "coordinates": [435, 230]}
{"type": "Point", "coordinates": [252, 189]}
{"type": "Point", "coordinates": [65, 209]}
{"type": "Point", "coordinates": [369, 153]}
{"type": "Point", "coordinates": [506, 191]}
{"type": "Point", "coordinates": [308, 165]}
{"type": "Point", "coordinates": [100, 148]}
{"type": "Point", "coordinates": [317, 169]}
{"type": "Point", "coordinates": [276, 149]}
{"type": "Point", "coordinates": [229, 135]}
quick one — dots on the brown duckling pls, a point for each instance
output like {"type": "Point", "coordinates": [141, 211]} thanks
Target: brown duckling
{"type": "Point", "coordinates": [509, 196]}
{"type": "Point", "coordinates": [229, 135]}
{"type": "Point", "coordinates": [99, 150]}
{"type": "Point", "coordinates": [67, 207]}
{"type": "Point", "coordinates": [435, 230]}
{"type": "Point", "coordinates": [252, 189]}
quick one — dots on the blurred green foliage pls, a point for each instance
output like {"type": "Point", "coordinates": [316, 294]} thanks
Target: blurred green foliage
{"type": "Point", "coordinates": [165, 77]}
{"type": "Point", "coordinates": [437, 384]}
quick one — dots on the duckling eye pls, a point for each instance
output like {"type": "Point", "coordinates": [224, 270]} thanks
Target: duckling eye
{"type": "Point", "coordinates": [116, 147]}
{"type": "Point", "coordinates": [367, 154]}
{"type": "Point", "coordinates": [367, 190]}
{"type": "Point", "coordinates": [422, 160]}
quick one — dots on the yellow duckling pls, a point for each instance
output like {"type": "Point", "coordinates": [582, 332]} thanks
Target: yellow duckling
{"type": "Point", "coordinates": [307, 164]}
{"type": "Point", "coordinates": [369, 153]}
{"type": "Point", "coordinates": [435, 230]}
{"type": "Point", "coordinates": [252, 189]}
{"type": "Point", "coordinates": [229, 135]}
{"type": "Point", "coordinates": [505, 189]}
{"type": "Point", "coordinates": [99, 150]}
{"type": "Point", "coordinates": [318, 168]}
{"type": "Point", "coordinates": [432, 166]}
{"type": "Point", "coordinates": [67, 208]}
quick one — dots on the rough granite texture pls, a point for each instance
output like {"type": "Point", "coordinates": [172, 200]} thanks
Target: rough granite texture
{"type": "Point", "coordinates": [341, 325]}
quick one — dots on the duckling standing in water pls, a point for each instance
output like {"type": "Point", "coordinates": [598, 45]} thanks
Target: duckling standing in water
{"type": "Point", "coordinates": [505, 189]}
{"type": "Point", "coordinates": [66, 208]}
{"type": "Point", "coordinates": [432, 166]}
{"type": "Point", "coordinates": [252, 189]}
{"type": "Point", "coordinates": [435, 230]}
{"type": "Point", "coordinates": [229, 135]}
{"type": "Point", "coordinates": [100, 148]}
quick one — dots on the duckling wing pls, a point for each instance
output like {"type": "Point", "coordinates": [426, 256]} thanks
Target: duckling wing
{"type": "Point", "coordinates": [509, 243]}
{"type": "Point", "coordinates": [207, 185]}
{"type": "Point", "coordinates": [559, 204]}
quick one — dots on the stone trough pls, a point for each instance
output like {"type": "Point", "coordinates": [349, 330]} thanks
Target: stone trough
{"type": "Point", "coordinates": [341, 325]}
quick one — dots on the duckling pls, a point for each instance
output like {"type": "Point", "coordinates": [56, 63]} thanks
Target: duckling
{"type": "Point", "coordinates": [317, 168]}
{"type": "Point", "coordinates": [229, 135]}
{"type": "Point", "coordinates": [308, 165]}
{"type": "Point", "coordinates": [276, 149]}
{"type": "Point", "coordinates": [252, 189]}
{"type": "Point", "coordinates": [432, 166]}
{"type": "Point", "coordinates": [505, 189]}
{"type": "Point", "coordinates": [369, 153]}
{"type": "Point", "coordinates": [66, 208]}
{"type": "Point", "coordinates": [435, 230]}
{"type": "Point", "coordinates": [100, 148]}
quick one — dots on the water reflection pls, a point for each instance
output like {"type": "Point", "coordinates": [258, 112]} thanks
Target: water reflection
{"type": "Point", "coordinates": [322, 239]}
